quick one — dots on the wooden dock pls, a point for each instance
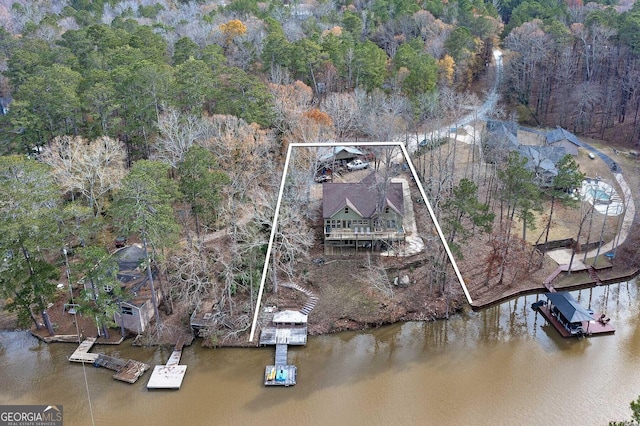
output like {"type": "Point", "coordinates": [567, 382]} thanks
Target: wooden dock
{"type": "Point", "coordinates": [281, 354]}
{"type": "Point", "coordinates": [280, 375]}
{"type": "Point", "coordinates": [273, 335]}
{"type": "Point", "coordinates": [594, 327]}
{"type": "Point", "coordinates": [126, 370]}
{"type": "Point", "coordinates": [170, 375]}
{"type": "Point", "coordinates": [286, 328]}
{"type": "Point", "coordinates": [82, 354]}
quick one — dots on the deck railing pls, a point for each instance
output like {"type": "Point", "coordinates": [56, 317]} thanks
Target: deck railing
{"type": "Point", "coordinates": [350, 234]}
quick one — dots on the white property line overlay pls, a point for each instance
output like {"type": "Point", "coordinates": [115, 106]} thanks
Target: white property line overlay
{"type": "Point", "coordinates": [274, 225]}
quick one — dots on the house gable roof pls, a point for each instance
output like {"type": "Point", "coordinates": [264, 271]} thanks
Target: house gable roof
{"type": "Point", "coordinates": [501, 133]}
{"type": "Point", "coordinates": [362, 197]}
{"type": "Point", "coordinates": [502, 126]}
{"type": "Point", "coordinates": [560, 134]}
{"type": "Point", "coordinates": [131, 274]}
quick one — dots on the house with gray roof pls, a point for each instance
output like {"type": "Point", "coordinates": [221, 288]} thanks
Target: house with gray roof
{"type": "Point", "coordinates": [365, 214]}
{"type": "Point", "coordinates": [542, 161]}
{"type": "Point", "coordinates": [562, 138]}
{"type": "Point", "coordinates": [136, 310]}
{"type": "Point", "coordinates": [502, 137]}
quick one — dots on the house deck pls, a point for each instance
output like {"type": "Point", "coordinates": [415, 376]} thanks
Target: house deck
{"type": "Point", "coordinates": [347, 234]}
{"type": "Point", "coordinates": [594, 327]}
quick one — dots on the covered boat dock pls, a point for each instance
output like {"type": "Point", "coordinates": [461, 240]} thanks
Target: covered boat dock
{"type": "Point", "coordinates": [570, 318]}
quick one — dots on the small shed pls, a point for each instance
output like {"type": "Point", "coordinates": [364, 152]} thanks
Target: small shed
{"type": "Point", "coordinates": [339, 153]}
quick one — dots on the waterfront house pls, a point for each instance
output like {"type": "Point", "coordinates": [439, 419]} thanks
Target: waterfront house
{"type": "Point", "coordinates": [136, 310]}
{"type": "Point", "coordinates": [367, 214]}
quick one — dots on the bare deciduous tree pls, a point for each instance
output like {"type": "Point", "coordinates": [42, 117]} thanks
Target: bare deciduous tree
{"type": "Point", "coordinates": [93, 169]}
{"type": "Point", "coordinates": [343, 110]}
{"type": "Point", "coordinates": [177, 133]}
{"type": "Point", "coordinates": [376, 276]}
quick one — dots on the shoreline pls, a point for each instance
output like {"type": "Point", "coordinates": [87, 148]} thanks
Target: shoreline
{"type": "Point", "coordinates": [580, 281]}
{"type": "Point", "coordinates": [614, 278]}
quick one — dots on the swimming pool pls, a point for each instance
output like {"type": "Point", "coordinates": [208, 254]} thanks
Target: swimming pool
{"type": "Point", "coordinates": [599, 196]}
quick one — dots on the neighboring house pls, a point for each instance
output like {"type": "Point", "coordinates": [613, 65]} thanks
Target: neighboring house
{"type": "Point", "coordinates": [510, 127]}
{"type": "Point", "coordinates": [502, 137]}
{"type": "Point", "coordinates": [137, 311]}
{"type": "Point", "coordinates": [358, 215]}
{"type": "Point", "coordinates": [562, 138]}
{"type": "Point", "coordinates": [542, 160]}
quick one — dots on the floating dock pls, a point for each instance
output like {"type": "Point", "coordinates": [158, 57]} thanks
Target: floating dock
{"type": "Point", "coordinates": [126, 370]}
{"type": "Point", "coordinates": [170, 375]}
{"type": "Point", "coordinates": [280, 374]}
{"type": "Point", "coordinates": [82, 354]}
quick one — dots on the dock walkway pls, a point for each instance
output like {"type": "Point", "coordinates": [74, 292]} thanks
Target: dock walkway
{"type": "Point", "coordinates": [82, 354]}
{"type": "Point", "coordinates": [126, 370]}
{"type": "Point", "coordinates": [280, 374]}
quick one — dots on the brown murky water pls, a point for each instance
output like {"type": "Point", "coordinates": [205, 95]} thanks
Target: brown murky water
{"type": "Point", "coordinates": [500, 366]}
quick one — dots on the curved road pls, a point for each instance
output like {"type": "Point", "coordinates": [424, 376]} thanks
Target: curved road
{"type": "Point", "coordinates": [481, 113]}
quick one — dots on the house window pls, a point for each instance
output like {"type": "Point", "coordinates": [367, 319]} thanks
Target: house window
{"type": "Point", "coordinates": [346, 210]}
{"type": "Point", "coordinates": [126, 310]}
{"type": "Point", "coordinates": [107, 288]}
{"type": "Point", "coordinates": [386, 210]}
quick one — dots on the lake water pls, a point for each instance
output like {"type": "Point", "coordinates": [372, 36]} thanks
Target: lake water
{"type": "Point", "coordinates": [502, 366]}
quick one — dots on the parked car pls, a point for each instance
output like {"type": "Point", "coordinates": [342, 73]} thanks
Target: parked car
{"type": "Point", "coordinates": [357, 165]}
{"type": "Point", "coordinates": [323, 178]}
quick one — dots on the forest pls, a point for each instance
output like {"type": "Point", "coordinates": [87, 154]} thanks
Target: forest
{"type": "Point", "coordinates": [166, 122]}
